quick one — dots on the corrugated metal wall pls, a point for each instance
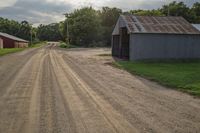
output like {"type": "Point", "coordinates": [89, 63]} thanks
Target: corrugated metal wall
{"type": "Point", "coordinates": [8, 43]}
{"type": "Point", "coordinates": [164, 46]}
{"type": "Point", "coordinates": [21, 45]}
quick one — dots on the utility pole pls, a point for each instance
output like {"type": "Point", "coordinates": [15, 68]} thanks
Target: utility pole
{"type": "Point", "coordinates": [31, 37]}
{"type": "Point", "coordinates": [168, 12]}
{"type": "Point", "coordinates": [67, 31]}
{"type": "Point", "coordinates": [67, 16]}
{"type": "Point", "coordinates": [168, 9]}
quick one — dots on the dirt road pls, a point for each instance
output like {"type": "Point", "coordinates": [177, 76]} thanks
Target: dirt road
{"type": "Point", "coordinates": [49, 90]}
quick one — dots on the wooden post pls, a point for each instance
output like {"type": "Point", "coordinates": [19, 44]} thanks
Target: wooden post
{"type": "Point", "coordinates": [1, 43]}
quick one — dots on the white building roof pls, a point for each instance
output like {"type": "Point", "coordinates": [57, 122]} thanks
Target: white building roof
{"type": "Point", "coordinates": [12, 37]}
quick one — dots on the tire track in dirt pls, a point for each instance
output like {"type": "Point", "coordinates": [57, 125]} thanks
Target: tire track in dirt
{"type": "Point", "coordinates": [54, 92]}
{"type": "Point", "coordinates": [15, 102]}
{"type": "Point", "coordinates": [114, 119]}
{"type": "Point", "coordinates": [10, 66]}
{"type": "Point", "coordinates": [133, 118]}
{"type": "Point", "coordinates": [34, 110]}
{"type": "Point", "coordinates": [143, 110]}
{"type": "Point", "coordinates": [55, 115]}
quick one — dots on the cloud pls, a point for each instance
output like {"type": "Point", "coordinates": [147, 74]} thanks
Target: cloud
{"type": "Point", "coordinates": [36, 11]}
{"type": "Point", "coordinates": [49, 11]}
{"type": "Point", "coordinates": [7, 3]}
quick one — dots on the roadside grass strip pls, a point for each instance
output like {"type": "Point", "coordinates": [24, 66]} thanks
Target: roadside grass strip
{"type": "Point", "coordinates": [184, 76]}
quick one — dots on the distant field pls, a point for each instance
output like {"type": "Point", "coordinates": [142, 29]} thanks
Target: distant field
{"type": "Point", "coordinates": [10, 50]}
{"type": "Point", "coordinates": [183, 76]}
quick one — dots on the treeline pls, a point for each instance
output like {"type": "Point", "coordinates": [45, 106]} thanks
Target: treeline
{"type": "Point", "coordinates": [22, 30]}
{"type": "Point", "coordinates": [89, 27]}
{"type": "Point", "coordinates": [49, 32]}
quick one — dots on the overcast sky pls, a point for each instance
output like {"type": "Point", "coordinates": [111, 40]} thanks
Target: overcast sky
{"type": "Point", "coordinates": [49, 11]}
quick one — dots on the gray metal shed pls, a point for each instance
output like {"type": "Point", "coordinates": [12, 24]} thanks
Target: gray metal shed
{"type": "Point", "coordinates": [148, 37]}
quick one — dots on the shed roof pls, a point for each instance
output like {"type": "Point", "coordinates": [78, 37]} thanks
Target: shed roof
{"type": "Point", "coordinates": [155, 24]}
{"type": "Point", "coordinates": [12, 37]}
{"type": "Point", "coordinates": [197, 26]}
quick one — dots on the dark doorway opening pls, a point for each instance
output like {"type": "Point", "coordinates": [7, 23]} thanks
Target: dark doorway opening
{"type": "Point", "coordinates": [115, 45]}
{"type": "Point", "coordinates": [124, 43]}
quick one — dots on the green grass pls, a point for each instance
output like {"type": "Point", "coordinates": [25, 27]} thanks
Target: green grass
{"type": "Point", "coordinates": [10, 50]}
{"type": "Point", "coordinates": [64, 45]}
{"type": "Point", "coordinates": [14, 50]}
{"type": "Point", "coordinates": [184, 76]}
{"type": "Point", "coordinates": [37, 45]}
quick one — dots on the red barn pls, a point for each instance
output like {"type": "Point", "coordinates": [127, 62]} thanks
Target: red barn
{"type": "Point", "coordinates": [9, 41]}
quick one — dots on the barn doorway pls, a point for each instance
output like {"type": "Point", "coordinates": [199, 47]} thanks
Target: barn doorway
{"type": "Point", "coordinates": [124, 43]}
{"type": "Point", "coordinates": [115, 45]}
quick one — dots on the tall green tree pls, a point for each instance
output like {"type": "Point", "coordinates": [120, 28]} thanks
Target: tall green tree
{"type": "Point", "coordinates": [49, 32]}
{"type": "Point", "coordinates": [84, 25]}
{"type": "Point", "coordinates": [195, 11]}
{"type": "Point", "coordinates": [147, 12]}
{"type": "Point", "coordinates": [177, 9]}
{"type": "Point", "coordinates": [24, 30]}
{"type": "Point", "coordinates": [108, 17]}
{"type": "Point", "coordinates": [63, 30]}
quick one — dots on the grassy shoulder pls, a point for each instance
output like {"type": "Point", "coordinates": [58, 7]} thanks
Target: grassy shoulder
{"type": "Point", "coordinates": [10, 50]}
{"type": "Point", "coordinates": [184, 76]}
{"type": "Point", "coordinates": [37, 45]}
{"type": "Point", "coordinates": [6, 51]}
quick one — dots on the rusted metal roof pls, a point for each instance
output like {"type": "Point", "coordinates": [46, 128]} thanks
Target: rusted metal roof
{"type": "Point", "coordinates": [12, 37]}
{"type": "Point", "coordinates": [151, 24]}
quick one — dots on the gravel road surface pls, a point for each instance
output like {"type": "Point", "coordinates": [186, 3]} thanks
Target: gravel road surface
{"type": "Point", "coordinates": [51, 90]}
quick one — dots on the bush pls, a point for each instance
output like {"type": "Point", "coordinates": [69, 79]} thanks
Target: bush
{"type": "Point", "coordinates": [66, 45]}
{"type": "Point", "coordinates": [63, 45]}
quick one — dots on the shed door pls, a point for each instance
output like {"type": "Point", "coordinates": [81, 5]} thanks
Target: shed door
{"type": "Point", "coordinates": [124, 47]}
{"type": "Point", "coordinates": [115, 45]}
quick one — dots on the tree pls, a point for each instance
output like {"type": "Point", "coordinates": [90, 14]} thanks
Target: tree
{"type": "Point", "coordinates": [22, 30]}
{"type": "Point", "coordinates": [177, 9]}
{"type": "Point", "coordinates": [108, 17]}
{"type": "Point", "coordinates": [84, 25]}
{"type": "Point", "coordinates": [147, 12]}
{"type": "Point", "coordinates": [195, 11]}
{"type": "Point", "coordinates": [49, 32]}
{"type": "Point", "coordinates": [196, 8]}
{"type": "Point", "coordinates": [63, 30]}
